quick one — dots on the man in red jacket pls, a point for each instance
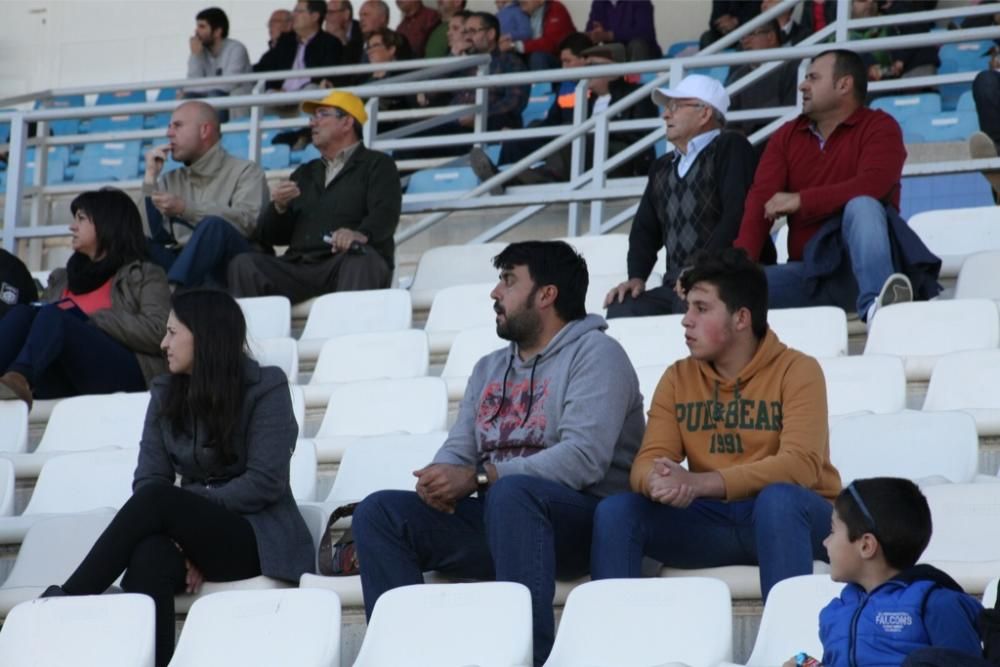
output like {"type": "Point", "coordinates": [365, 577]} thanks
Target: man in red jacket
{"type": "Point", "coordinates": [550, 25]}
{"type": "Point", "coordinates": [838, 160]}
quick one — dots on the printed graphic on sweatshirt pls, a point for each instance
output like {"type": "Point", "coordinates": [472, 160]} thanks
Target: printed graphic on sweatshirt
{"type": "Point", "coordinates": [893, 621]}
{"type": "Point", "coordinates": [519, 427]}
{"type": "Point", "coordinates": [739, 414]}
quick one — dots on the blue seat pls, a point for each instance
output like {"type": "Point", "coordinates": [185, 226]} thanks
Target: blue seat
{"type": "Point", "coordinates": [165, 94]}
{"type": "Point", "coordinates": [536, 108]}
{"type": "Point", "coordinates": [69, 125]}
{"type": "Point", "coordinates": [966, 102]}
{"type": "Point", "coordinates": [119, 123]}
{"type": "Point", "coordinates": [161, 120]}
{"type": "Point", "coordinates": [540, 88]}
{"type": "Point", "coordinates": [719, 73]}
{"type": "Point", "coordinates": [902, 107]}
{"type": "Point", "coordinates": [944, 126]}
{"type": "Point", "coordinates": [944, 191]}
{"type": "Point", "coordinates": [967, 56]}
{"type": "Point", "coordinates": [677, 48]}
{"type": "Point", "coordinates": [122, 97]}
{"type": "Point", "coordinates": [307, 154]}
{"type": "Point", "coordinates": [236, 144]}
{"type": "Point", "coordinates": [274, 157]}
{"type": "Point", "coordinates": [55, 170]}
{"type": "Point", "coordinates": [442, 179]}
{"type": "Point", "coordinates": [112, 161]}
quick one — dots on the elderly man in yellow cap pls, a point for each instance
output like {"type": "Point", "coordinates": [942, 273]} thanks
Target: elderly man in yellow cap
{"type": "Point", "coordinates": [337, 214]}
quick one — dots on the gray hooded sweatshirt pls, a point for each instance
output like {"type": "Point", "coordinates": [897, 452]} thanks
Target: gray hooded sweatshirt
{"type": "Point", "coordinates": [571, 414]}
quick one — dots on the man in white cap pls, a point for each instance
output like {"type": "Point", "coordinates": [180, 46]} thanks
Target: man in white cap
{"type": "Point", "coordinates": [337, 214]}
{"type": "Point", "coordinates": [693, 200]}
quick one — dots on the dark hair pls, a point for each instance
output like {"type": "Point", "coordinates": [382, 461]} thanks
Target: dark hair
{"type": "Point", "coordinates": [212, 395]}
{"type": "Point", "coordinates": [391, 39]}
{"type": "Point", "coordinates": [350, 8]}
{"type": "Point", "coordinates": [899, 512]}
{"type": "Point", "coordinates": [117, 222]}
{"type": "Point", "coordinates": [577, 43]}
{"type": "Point", "coordinates": [552, 263]}
{"type": "Point", "coordinates": [490, 22]}
{"type": "Point", "coordinates": [741, 283]}
{"type": "Point", "coordinates": [317, 7]}
{"type": "Point", "coordinates": [462, 13]}
{"type": "Point", "coordinates": [849, 63]}
{"type": "Point", "coordinates": [215, 18]}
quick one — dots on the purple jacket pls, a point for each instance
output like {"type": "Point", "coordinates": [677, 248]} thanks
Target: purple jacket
{"type": "Point", "coordinates": [628, 20]}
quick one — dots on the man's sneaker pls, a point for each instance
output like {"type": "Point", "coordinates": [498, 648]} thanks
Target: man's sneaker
{"type": "Point", "coordinates": [895, 289]}
{"type": "Point", "coordinates": [484, 169]}
{"type": "Point", "coordinates": [981, 147]}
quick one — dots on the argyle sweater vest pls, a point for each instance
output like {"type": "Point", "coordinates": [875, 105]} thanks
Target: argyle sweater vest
{"type": "Point", "coordinates": [692, 208]}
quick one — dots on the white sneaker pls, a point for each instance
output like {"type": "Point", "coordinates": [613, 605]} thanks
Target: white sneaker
{"type": "Point", "coordinates": [895, 289]}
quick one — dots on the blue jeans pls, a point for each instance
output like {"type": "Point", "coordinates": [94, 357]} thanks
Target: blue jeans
{"type": "Point", "coordinates": [781, 530]}
{"type": "Point", "coordinates": [205, 256]}
{"type": "Point", "coordinates": [528, 530]}
{"type": "Point", "coordinates": [857, 282]}
{"type": "Point", "coordinates": [62, 354]}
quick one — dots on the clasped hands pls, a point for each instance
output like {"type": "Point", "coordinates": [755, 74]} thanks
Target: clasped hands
{"type": "Point", "coordinates": [441, 485]}
{"type": "Point", "coordinates": [669, 483]}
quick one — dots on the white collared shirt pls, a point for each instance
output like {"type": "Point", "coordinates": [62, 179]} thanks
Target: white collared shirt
{"type": "Point", "coordinates": [695, 146]}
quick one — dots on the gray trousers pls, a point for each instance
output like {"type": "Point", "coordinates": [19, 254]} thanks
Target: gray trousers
{"type": "Point", "coordinates": [255, 274]}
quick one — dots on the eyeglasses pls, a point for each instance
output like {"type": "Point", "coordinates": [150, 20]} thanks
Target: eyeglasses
{"type": "Point", "coordinates": [328, 112]}
{"type": "Point", "coordinates": [673, 105]}
{"type": "Point", "coordinates": [861, 506]}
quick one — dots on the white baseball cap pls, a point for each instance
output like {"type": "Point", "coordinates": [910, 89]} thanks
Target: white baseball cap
{"type": "Point", "coordinates": [699, 87]}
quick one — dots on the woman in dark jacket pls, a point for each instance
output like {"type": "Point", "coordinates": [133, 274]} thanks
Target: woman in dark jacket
{"type": "Point", "coordinates": [100, 331]}
{"type": "Point", "coordinates": [225, 425]}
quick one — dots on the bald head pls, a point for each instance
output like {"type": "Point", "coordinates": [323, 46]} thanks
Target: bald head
{"type": "Point", "coordinates": [194, 129]}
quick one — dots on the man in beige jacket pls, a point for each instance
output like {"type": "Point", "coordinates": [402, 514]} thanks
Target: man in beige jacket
{"type": "Point", "coordinates": [201, 215]}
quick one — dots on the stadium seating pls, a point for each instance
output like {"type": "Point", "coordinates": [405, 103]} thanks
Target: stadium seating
{"type": "Point", "coordinates": [111, 161]}
{"type": "Point", "coordinates": [649, 378]}
{"type": "Point", "coordinates": [634, 622]}
{"type": "Point", "coordinates": [605, 254]}
{"type": "Point", "coordinates": [450, 624]}
{"type": "Point", "coordinates": [7, 483]}
{"type": "Point", "coordinates": [280, 352]}
{"type": "Point", "coordinates": [954, 234]}
{"type": "Point", "coordinates": [743, 580]}
{"type": "Point", "coordinates": [599, 285]}
{"type": "Point", "coordinates": [970, 382]}
{"type": "Point", "coordinates": [921, 332]}
{"type": "Point", "coordinates": [924, 194]}
{"type": "Point", "coordinates": [650, 341]}
{"type": "Point", "coordinates": [867, 383]}
{"type": "Point", "coordinates": [537, 108]}
{"type": "Point", "coordinates": [790, 623]}
{"type": "Point", "coordinates": [302, 471]}
{"type": "Point", "coordinates": [357, 410]}
{"type": "Point", "coordinates": [965, 543]}
{"type": "Point", "coordinates": [367, 311]}
{"type": "Point", "coordinates": [68, 125]}
{"type": "Point", "coordinates": [455, 309]}
{"type": "Point", "coordinates": [903, 106]}
{"type": "Point", "coordinates": [925, 447]}
{"type": "Point", "coordinates": [979, 278]}
{"type": "Point", "coordinates": [990, 594]}
{"type": "Point", "coordinates": [469, 346]}
{"type": "Point", "coordinates": [14, 434]}
{"type": "Point", "coordinates": [85, 631]}
{"type": "Point", "coordinates": [820, 331]}
{"type": "Point", "coordinates": [449, 265]}
{"type": "Point", "coordinates": [442, 179]}
{"type": "Point", "coordinates": [265, 627]}
{"type": "Point", "coordinates": [267, 316]}
{"type": "Point", "coordinates": [943, 126]}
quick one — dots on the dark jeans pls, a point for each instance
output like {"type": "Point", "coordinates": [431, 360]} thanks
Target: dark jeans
{"type": "Point", "coordinates": [257, 274]}
{"type": "Point", "coordinates": [781, 530]}
{"type": "Point", "coordinates": [205, 256]}
{"type": "Point", "coordinates": [527, 530]}
{"type": "Point", "coordinates": [149, 539]}
{"type": "Point", "coordinates": [944, 657]}
{"type": "Point", "coordinates": [986, 94]}
{"type": "Point", "coordinates": [62, 354]}
{"type": "Point", "coordinates": [661, 300]}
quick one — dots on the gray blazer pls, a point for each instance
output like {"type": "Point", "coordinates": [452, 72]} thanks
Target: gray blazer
{"type": "Point", "coordinates": [256, 485]}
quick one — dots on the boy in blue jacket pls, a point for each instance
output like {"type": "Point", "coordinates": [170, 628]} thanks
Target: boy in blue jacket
{"type": "Point", "coordinates": [890, 606]}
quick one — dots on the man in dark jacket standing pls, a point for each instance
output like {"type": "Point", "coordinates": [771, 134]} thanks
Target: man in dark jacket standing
{"type": "Point", "coordinates": [305, 47]}
{"type": "Point", "coordinates": [337, 214]}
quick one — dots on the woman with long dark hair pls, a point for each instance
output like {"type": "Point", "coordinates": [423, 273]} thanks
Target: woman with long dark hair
{"type": "Point", "coordinates": [101, 328]}
{"type": "Point", "coordinates": [225, 425]}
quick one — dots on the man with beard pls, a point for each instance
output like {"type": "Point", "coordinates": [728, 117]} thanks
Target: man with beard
{"type": "Point", "coordinates": [214, 54]}
{"type": "Point", "coordinates": [548, 426]}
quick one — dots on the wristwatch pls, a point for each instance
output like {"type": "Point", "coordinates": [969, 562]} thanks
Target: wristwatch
{"type": "Point", "coordinates": [482, 479]}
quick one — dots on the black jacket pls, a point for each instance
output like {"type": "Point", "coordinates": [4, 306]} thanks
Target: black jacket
{"type": "Point", "coordinates": [323, 50]}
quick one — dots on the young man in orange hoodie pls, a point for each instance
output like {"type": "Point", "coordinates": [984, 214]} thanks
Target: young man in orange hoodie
{"type": "Point", "coordinates": [749, 416]}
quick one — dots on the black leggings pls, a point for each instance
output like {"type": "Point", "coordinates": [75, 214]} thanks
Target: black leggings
{"type": "Point", "coordinates": [143, 539]}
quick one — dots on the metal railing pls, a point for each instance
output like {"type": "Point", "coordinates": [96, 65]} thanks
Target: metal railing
{"type": "Point", "coordinates": [585, 185]}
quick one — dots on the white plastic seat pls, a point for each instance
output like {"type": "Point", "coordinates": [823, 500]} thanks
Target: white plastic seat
{"type": "Point", "coordinates": [990, 593]}
{"type": "Point", "coordinates": [641, 622]}
{"type": "Point", "coordinates": [658, 343]}
{"type": "Point", "coordinates": [922, 332]}
{"type": "Point", "coordinates": [979, 278]}
{"type": "Point", "coordinates": [83, 423]}
{"type": "Point", "coordinates": [341, 313]}
{"type": "Point", "coordinates": [469, 346]}
{"type": "Point", "coordinates": [450, 265]}
{"type": "Point", "coordinates": [380, 407]}
{"type": "Point", "coordinates": [264, 627]}
{"type": "Point", "coordinates": [649, 379]}
{"type": "Point", "coordinates": [955, 234]}
{"type": "Point", "coordinates": [921, 446]}
{"type": "Point", "coordinates": [13, 426]}
{"type": "Point", "coordinates": [455, 309]}
{"type": "Point", "coordinates": [654, 325]}
{"type": "Point", "coordinates": [298, 406]}
{"type": "Point", "coordinates": [428, 625]}
{"type": "Point", "coordinates": [965, 543]}
{"type": "Point", "coordinates": [743, 581]}
{"type": "Point", "coordinates": [819, 331]}
{"type": "Point", "coordinates": [280, 352]}
{"type": "Point", "coordinates": [267, 316]}
{"type": "Point", "coordinates": [51, 551]}
{"type": "Point", "coordinates": [865, 383]}
{"type": "Point", "coordinates": [7, 484]}
{"type": "Point", "coordinates": [605, 254]}
{"type": "Point", "coordinates": [84, 631]}
{"type": "Point", "coordinates": [970, 382]}
{"type": "Point", "coordinates": [791, 619]}
{"type": "Point", "coordinates": [372, 356]}
{"type": "Point", "coordinates": [302, 470]}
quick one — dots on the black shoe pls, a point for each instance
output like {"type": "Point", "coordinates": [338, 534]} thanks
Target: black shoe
{"type": "Point", "coordinates": [484, 169]}
{"type": "Point", "coordinates": [54, 592]}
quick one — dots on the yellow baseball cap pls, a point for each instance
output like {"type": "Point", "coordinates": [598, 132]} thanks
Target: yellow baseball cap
{"type": "Point", "coordinates": [347, 102]}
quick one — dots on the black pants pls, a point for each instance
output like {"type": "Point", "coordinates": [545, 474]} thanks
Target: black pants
{"type": "Point", "coordinates": [256, 274]}
{"type": "Point", "coordinates": [149, 539]}
{"type": "Point", "coordinates": [943, 657]}
{"type": "Point", "coordinates": [661, 300]}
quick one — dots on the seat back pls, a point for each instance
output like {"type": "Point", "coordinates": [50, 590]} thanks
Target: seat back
{"type": "Point", "coordinates": [633, 622]}
{"type": "Point", "coordinates": [442, 179]}
{"type": "Point", "coordinates": [941, 126]}
{"type": "Point", "coordinates": [84, 481]}
{"type": "Point", "coordinates": [790, 623]}
{"type": "Point", "coordinates": [457, 308]}
{"type": "Point", "coordinates": [366, 311]}
{"type": "Point", "coordinates": [649, 379]}
{"type": "Point", "coordinates": [865, 383]}
{"type": "Point", "coordinates": [469, 346]}
{"type": "Point", "coordinates": [285, 626]}
{"type": "Point", "coordinates": [450, 265]}
{"type": "Point", "coordinates": [965, 542]}
{"type": "Point", "coordinates": [280, 352]}
{"type": "Point", "coordinates": [6, 487]}
{"type": "Point", "coordinates": [978, 278]}
{"type": "Point", "coordinates": [382, 462]}
{"type": "Point", "coordinates": [14, 434]}
{"type": "Point", "coordinates": [267, 316]}
{"type": "Point", "coordinates": [375, 407]}
{"type": "Point", "coordinates": [911, 444]}
{"type": "Point", "coordinates": [819, 331]}
{"type": "Point", "coordinates": [965, 381]}
{"type": "Point", "coordinates": [450, 624]}
{"type": "Point", "coordinates": [953, 234]}
{"type": "Point", "coordinates": [902, 107]}
{"type": "Point", "coordinates": [605, 254]}
{"type": "Point", "coordinates": [302, 470]}
{"type": "Point", "coordinates": [82, 423]}
{"type": "Point", "coordinates": [373, 356]}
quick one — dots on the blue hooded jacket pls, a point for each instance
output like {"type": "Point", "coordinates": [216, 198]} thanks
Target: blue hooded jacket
{"type": "Point", "coordinates": [920, 607]}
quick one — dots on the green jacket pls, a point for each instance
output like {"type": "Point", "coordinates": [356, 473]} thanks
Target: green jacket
{"type": "Point", "coordinates": [365, 196]}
